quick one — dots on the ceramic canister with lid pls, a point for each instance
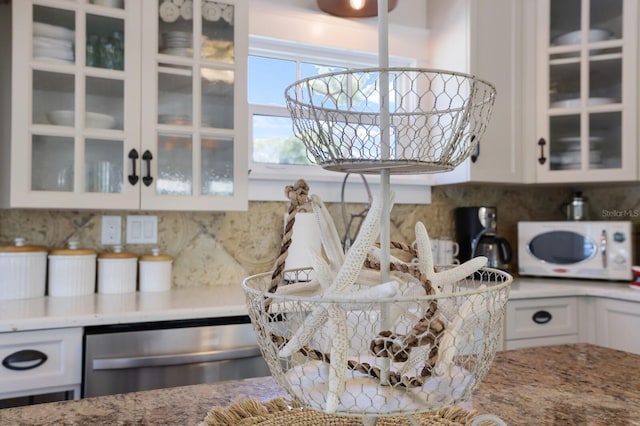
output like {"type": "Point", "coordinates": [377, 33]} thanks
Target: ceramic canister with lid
{"type": "Point", "coordinates": [72, 271]}
{"type": "Point", "coordinates": [23, 271]}
{"type": "Point", "coordinates": [117, 271]}
{"type": "Point", "coordinates": [155, 271]}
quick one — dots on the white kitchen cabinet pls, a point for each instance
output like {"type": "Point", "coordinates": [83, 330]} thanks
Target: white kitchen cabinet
{"type": "Point", "coordinates": [586, 91]}
{"type": "Point", "coordinates": [541, 321]}
{"type": "Point", "coordinates": [618, 324]}
{"type": "Point", "coordinates": [40, 362]}
{"type": "Point", "coordinates": [484, 38]}
{"type": "Point", "coordinates": [161, 125]}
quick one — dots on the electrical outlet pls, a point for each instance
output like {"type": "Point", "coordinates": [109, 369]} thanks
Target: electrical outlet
{"type": "Point", "coordinates": [111, 230]}
{"type": "Point", "coordinates": [142, 229]}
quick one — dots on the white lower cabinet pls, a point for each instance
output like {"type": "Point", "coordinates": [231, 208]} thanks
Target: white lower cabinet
{"type": "Point", "coordinates": [618, 324]}
{"type": "Point", "coordinates": [40, 362]}
{"type": "Point", "coordinates": [541, 322]}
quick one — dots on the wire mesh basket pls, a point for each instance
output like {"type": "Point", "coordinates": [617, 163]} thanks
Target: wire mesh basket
{"type": "Point", "coordinates": [434, 118]}
{"type": "Point", "coordinates": [436, 352]}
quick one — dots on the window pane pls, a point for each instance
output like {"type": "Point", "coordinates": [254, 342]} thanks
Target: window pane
{"type": "Point", "coordinates": [274, 142]}
{"type": "Point", "coordinates": [268, 78]}
{"type": "Point", "coordinates": [309, 70]}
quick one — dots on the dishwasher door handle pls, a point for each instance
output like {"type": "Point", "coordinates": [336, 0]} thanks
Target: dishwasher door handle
{"type": "Point", "coordinates": [175, 359]}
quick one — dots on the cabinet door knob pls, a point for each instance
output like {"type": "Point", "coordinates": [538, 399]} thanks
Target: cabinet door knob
{"type": "Point", "coordinates": [542, 317]}
{"type": "Point", "coordinates": [25, 359]}
{"type": "Point", "coordinates": [147, 179]}
{"type": "Point", "coordinates": [133, 178]}
{"type": "Point", "coordinates": [541, 144]}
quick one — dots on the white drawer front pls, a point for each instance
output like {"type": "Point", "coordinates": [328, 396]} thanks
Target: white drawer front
{"type": "Point", "coordinates": [546, 317]}
{"type": "Point", "coordinates": [63, 365]}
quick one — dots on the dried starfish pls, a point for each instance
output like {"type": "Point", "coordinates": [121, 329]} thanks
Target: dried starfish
{"type": "Point", "coordinates": [342, 284]}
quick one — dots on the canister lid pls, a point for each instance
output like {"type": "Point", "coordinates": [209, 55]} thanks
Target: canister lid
{"type": "Point", "coordinates": [155, 256]}
{"type": "Point", "coordinates": [20, 247]}
{"type": "Point", "coordinates": [72, 250]}
{"type": "Point", "coordinates": [117, 253]}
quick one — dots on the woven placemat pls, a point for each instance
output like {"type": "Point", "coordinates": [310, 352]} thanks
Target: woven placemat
{"type": "Point", "coordinates": [280, 412]}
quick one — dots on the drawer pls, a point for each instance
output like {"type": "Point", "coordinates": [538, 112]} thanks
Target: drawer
{"type": "Point", "coordinates": [542, 317]}
{"type": "Point", "coordinates": [63, 364]}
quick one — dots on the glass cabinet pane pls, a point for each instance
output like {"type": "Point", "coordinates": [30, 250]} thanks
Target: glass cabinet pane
{"type": "Point", "coordinates": [605, 141]}
{"type": "Point", "coordinates": [52, 167]}
{"type": "Point", "coordinates": [53, 98]}
{"type": "Point", "coordinates": [217, 98]}
{"type": "Point", "coordinates": [564, 24]}
{"type": "Point", "coordinates": [564, 82]}
{"type": "Point", "coordinates": [175, 26]}
{"type": "Point", "coordinates": [605, 81]}
{"type": "Point", "coordinates": [565, 142]}
{"type": "Point", "coordinates": [217, 32]}
{"type": "Point", "coordinates": [103, 169]}
{"type": "Point", "coordinates": [116, 4]}
{"type": "Point", "coordinates": [175, 165]}
{"type": "Point", "coordinates": [175, 99]}
{"type": "Point", "coordinates": [53, 34]}
{"type": "Point", "coordinates": [104, 103]}
{"type": "Point", "coordinates": [105, 42]}
{"type": "Point", "coordinates": [217, 166]}
{"type": "Point", "coordinates": [605, 19]}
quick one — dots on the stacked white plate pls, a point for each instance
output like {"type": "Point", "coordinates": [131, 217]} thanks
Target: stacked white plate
{"type": "Point", "coordinates": [177, 43]}
{"type": "Point", "coordinates": [52, 43]}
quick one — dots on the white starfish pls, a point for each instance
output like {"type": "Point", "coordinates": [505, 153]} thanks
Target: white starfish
{"type": "Point", "coordinates": [439, 280]}
{"type": "Point", "coordinates": [350, 267]}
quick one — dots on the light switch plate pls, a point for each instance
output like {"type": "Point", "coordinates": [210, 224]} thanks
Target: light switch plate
{"type": "Point", "coordinates": [111, 230]}
{"type": "Point", "coordinates": [142, 229]}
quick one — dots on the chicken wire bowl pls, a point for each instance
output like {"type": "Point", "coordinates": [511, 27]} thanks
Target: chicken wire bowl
{"type": "Point", "coordinates": [434, 118]}
{"type": "Point", "coordinates": [437, 369]}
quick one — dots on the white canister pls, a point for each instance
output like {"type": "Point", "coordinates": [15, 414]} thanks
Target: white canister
{"type": "Point", "coordinates": [155, 271]}
{"type": "Point", "coordinates": [72, 271]}
{"type": "Point", "coordinates": [23, 271]}
{"type": "Point", "coordinates": [117, 272]}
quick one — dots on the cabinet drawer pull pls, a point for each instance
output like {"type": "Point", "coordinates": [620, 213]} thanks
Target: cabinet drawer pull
{"type": "Point", "coordinates": [476, 154]}
{"type": "Point", "coordinates": [25, 359]}
{"type": "Point", "coordinates": [147, 156]}
{"type": "Point", "coordinates": [133, 178]}
{"type": "Point", "coordinates": [541, 144]}
{"type": "Point", "coordinates": [541, 317]}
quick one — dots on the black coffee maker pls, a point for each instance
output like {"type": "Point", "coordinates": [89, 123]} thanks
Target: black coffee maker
{"type": "Point", "coordinates": [476, 229]}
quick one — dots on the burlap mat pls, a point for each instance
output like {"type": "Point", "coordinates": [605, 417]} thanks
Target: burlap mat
{"type": "Point", "coordinates": [280, 412]}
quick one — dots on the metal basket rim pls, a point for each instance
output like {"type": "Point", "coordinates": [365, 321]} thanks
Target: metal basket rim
{"type": "Point", "coordinates": [324, 299]}
{"type": "Point", "coordinates": [389, 69]}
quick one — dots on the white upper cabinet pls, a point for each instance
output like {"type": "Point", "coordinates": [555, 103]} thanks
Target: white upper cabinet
{"type": "Point", "coordinates": [586, 91]}
{"type": "Point", "coordinates": [484, 38]}
{"type": "Point", "coordinates": [123, 104]}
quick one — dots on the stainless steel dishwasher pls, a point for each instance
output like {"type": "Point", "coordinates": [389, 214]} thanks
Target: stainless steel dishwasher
{"type": "Point", "coordinates": [133, 357]}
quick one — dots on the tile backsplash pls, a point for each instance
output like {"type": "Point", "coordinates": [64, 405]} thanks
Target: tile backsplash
{"type": "Point", "coordinates": [221, 248]}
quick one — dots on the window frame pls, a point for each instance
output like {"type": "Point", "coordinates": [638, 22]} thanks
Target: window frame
{"type": "Point", "coordinates": [266, 181]}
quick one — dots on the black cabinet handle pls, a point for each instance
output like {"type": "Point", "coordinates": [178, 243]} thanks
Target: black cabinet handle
{"type": "Point", "coordinates": [147, 180]}
{"type": "Point", "coordinates": [541, 144]}
{"type": "Point", "coordinates": [542, 317]}
{"type": "Point", "coordinates": [476, 154]}
{"type": "Point", "coordinates": [30, 358]}
{"type": "Point", "coordinates": [133, 155]}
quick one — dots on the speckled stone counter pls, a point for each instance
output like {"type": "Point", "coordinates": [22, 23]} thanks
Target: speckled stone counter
{"type": "Point", "coordinates": [578, 384]}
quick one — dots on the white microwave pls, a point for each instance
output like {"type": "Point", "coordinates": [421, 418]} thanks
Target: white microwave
{"type": "Point", "coordinates": [578, 249]}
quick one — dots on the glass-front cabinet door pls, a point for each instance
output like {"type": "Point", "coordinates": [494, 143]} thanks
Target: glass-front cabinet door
{"type": "Point", "coordinates": [194, 132]}
{"type": "Point", "coordinates": [75, 103]}
{"type": "Point", "coordinates": [587, 106]}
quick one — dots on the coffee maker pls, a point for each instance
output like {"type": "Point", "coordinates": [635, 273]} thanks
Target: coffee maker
{"type": "Point", "coordinates": [476, 234]}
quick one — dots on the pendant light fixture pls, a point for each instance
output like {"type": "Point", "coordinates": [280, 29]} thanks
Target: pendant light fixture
{"type": "Point", "coordinates": [353, 8]}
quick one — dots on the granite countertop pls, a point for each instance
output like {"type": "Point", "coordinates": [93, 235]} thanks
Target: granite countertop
{"type": "Point", "coordinates": [223, 300]}
{"type": "Point", "coordinates": [578, 384]}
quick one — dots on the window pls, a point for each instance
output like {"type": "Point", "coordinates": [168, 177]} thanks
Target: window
{"type": "Point", "coordinates": [274, 65]}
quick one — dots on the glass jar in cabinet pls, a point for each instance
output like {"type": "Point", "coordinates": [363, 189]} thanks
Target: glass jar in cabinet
{"type": "Point", "coordinates": [587, 98]}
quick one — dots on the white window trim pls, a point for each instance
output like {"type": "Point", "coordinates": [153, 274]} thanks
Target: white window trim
{"type": "Point", "coordinates": [266, 182]}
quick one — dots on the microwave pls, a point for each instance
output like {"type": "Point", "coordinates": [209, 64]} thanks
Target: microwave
{"type": "Point", "coordinates": [601, 250]}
